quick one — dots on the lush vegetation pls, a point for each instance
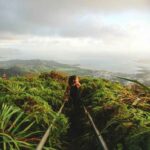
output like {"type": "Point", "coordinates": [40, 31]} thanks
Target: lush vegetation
{"type": "Point", "coordinates": [122, 114]}
{"type": "Point", "coordinates": [29, 104]}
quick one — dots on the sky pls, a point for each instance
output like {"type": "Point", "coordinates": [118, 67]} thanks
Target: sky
{"type": "Point", "coordinates": [93, 33]}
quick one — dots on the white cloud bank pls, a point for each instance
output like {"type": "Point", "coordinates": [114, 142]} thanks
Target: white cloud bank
{"type": "Point", "coordinates": [75, 30]}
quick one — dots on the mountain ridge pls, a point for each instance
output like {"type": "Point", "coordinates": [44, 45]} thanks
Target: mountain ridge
{"type": "Point", "coordinates": [20, 67]}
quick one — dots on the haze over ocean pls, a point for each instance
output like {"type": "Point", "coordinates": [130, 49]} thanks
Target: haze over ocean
{"type": "Point", "coordinates": [104, 35]}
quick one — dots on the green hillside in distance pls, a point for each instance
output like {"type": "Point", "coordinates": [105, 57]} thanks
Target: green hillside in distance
{"type": "Point", "coordinates": [41, 66]}
{"type": "Point", "coordinates": [21, 67]}
{"type": "Point", "coordinates": [12, 71]}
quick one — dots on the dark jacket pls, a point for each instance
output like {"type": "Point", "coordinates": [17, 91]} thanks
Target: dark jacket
{"type": "Point", "coordinates": [75, 95]}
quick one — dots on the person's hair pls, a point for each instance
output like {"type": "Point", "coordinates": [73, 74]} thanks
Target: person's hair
{"type": "Point", "coordinates": [71, 80]}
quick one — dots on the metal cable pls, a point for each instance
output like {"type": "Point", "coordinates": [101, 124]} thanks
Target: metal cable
{"type": "Point", "coordinates": [99, 136]}
{"type": "Point", "coordinates": [45, 136]}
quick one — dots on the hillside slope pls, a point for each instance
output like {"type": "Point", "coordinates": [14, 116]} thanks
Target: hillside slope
{"type": "Point", "coordinates": [37, 66]}
{"type": "Point", "coordinates": [121, 113]}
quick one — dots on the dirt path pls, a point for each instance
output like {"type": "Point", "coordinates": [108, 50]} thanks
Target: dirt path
{"type": "Point", "coordinates": [76, 129]}
{"type": "Point", "coordinates": [81, 135]}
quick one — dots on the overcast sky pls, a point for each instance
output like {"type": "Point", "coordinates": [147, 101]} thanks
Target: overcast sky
{"type": "Point", "coordinates": [75, 30]}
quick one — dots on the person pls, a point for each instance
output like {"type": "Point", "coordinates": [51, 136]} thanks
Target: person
{"type": "Point", "coordinates": [72, 93]}
{"type": "Point", "coordinates": [73, 104]}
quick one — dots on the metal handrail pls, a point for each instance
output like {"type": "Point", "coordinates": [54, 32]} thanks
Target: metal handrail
{"type": "Point", "coordinates": [45, 136]}
{"type": "Point", "coordinates": [99, 136]}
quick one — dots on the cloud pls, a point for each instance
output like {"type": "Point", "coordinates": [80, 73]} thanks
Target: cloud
{"type": "Point", "coordinates": [61, 17]}
{"type": "Point", "coordinates": [5, 52]}
{"type": "Point", "coordinates": [81, 29]}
